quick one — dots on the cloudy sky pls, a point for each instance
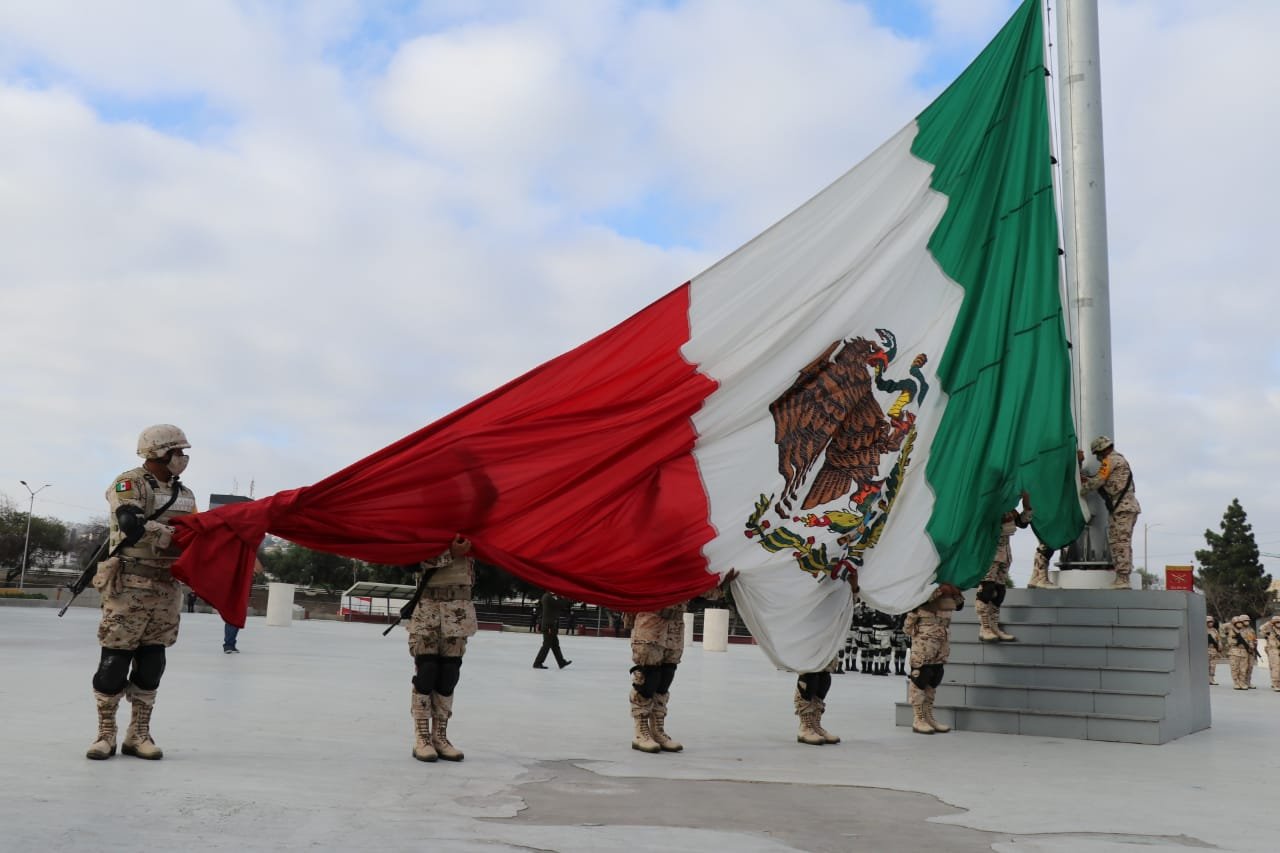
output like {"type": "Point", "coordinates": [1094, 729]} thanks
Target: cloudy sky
{"type": "Point", "coordinates": [302, 230]}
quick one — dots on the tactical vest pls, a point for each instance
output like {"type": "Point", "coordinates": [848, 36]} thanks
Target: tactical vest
{"type": "Point", "coordinates": [155, 494]}
{"type": "Point", "coordinates": [457, 572]}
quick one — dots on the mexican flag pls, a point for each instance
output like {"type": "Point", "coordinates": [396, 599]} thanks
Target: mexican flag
{"type": "Point", "coordinates": [854, 396]}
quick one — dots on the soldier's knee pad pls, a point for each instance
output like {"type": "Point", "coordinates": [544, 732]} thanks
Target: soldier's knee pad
{"type": "Point", "coordinates": [935, 673]}
{"type": "Point", "coordinates": [1001, 589]}
{"type": "Point", "coordinates": [987, 591]}
{"type": "Point", "coordinates": [148, 666]}
{"type": "Point", "coordinates": [645, 680]}
{"type": "Point", "coordinates": [448, 674]}
{"type": "Point", "coordinates": [822, 684]}
{"type": "Point", "coordinates": [667, 676]}
{"type": "Point", "coordinates": [425, 668]}
{"type": "Point", "coordinates": [805, 683]}
{"type": "Point", "coordinates": [113, 671]}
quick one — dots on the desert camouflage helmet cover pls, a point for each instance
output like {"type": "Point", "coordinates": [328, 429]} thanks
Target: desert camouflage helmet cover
{"type": "Point", "coordinates": [158, 440]}
{"type": "Point", "coordinates": [1100, 444]}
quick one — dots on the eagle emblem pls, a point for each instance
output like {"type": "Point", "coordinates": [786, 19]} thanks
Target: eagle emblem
{"type": "Point", "coordinates": [831, 419]}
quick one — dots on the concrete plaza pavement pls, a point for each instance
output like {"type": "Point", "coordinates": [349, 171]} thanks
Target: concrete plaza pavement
{"type": "Point", "coordinates": [302, 741]}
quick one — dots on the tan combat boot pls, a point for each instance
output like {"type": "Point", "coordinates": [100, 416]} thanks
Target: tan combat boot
{"type": "Point", "coordinates": [656, 725]}
{"type": "Point", "coordinates": [642, 714]}
{"type": "Point", "coordinates": [1040, 579]}
{"type": "Point", "coordinates": [820, 708]}
{"type": "Point", "coordinates": [920, 722]}
{"type": "Point", "coordinates": [940, 728]}
{"type": "Point", "coordinates": [986, 634]}
{"type": "Point", "coordinates": [805, 711]}
{"type": "Point", "coordinates": [1121, 582]}
{"type": "Point", "coordinates": [1001, 634]}
{"type": "Point", "coordinates": [420, 708]}
{"type": "Point", "coordinates": [105, 746]}
{"type": "Point", "coordinates": [137, 740]}
{"type": "Point", "coordinates": [441, 711]}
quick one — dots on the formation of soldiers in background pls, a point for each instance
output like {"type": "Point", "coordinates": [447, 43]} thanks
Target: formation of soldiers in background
{"type": "Point", "coordinates": [874, 636]}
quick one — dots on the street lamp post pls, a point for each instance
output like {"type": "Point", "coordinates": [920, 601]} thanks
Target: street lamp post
{"type": "Point", "coordinates": [1145, 527]}
{"type": "Point", "coordinates": [26, 545]}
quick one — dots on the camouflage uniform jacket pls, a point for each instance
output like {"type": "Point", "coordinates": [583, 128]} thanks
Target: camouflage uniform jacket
{"type": "Point", "coordinates": [1270, 636]}
{"type": "Point", "coordinates": [1009, 523]}
{"type": "Point", "coordinates": [140, 488]}
{"type": "Point", "coordinates": [446, 608]}
{"type": "Point", "coordinates": [1115, 482]}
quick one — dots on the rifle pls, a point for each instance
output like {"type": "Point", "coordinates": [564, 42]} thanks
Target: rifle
{"type": "Point", "coordinates": [412, 604]}
{"type": "Point", "coordinates": [78, 585]}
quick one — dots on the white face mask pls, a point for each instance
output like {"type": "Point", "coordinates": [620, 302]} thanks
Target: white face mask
{"type": "Point", "coordinates": [178, 463]}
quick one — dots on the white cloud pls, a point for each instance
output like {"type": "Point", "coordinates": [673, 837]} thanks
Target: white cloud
{"type": "Point", "coordinates": [377, 231]}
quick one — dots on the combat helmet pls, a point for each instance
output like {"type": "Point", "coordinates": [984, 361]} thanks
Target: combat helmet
{"type": "Point", "coordinates": [1100, 444]}
{"type": "Point", "coordinates": [156, 441]}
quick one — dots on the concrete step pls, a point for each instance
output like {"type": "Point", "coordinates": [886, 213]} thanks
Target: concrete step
{"type": "Point", "coordinates": [1016, 614]}
{"type": "Point", "coordinates": [1055, 675]}
{"type": "Point", "coordinates": [1074, 635]}
{"type": "Point", "coordinates": [1093, 599]}
{"type": "Point", "coordinates": [1123, 702]}
{"type": "Point", "coordinates": [1138, 657]}
{"type": "Point", "coordinates": [1117, 728]}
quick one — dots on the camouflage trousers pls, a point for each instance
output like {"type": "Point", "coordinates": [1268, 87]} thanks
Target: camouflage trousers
{"type": "Point", "coordinates": [1240, 669]}
{"type": "Point", "coordinates": [1120, 541]}
{"type": "Point", "coordinates": [144, 613]}
{"type": "Point", "coordinates": [930, 644]}
{"type": "Point", "coordinates": [656, 639]}
{"type": "Point", "coordinates": [442, 627]}
{"type": "Point", "coordinates": [1273, 661]}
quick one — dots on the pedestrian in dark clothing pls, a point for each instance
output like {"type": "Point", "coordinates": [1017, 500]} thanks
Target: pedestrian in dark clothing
{"type": "Point", "coordinates": [229, 633]}
{"type": "Point", "coordinates": [549, 615]}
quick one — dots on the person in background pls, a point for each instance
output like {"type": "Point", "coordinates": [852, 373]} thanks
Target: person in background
{"type": "Point", "coordinates": [549, 616]}
{"type": "Point", "coordinates": [229, 633]}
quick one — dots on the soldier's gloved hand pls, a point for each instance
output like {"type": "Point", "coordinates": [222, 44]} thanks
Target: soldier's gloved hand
{"type": "Point", "coordinates": [163, 533]}
{"type": "Point", "coordinates": [107, 580]}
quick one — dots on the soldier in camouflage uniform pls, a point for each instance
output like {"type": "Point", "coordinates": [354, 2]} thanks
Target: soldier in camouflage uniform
{"type": "Point", "coordinates": [929, 627]}
{"type": "Point", "coordinates": [657, 645]}
{"type": "Point", "coordinates": [438, 632]}
{"type": "Point", "coordinates": [1270, 636]}
{"type": "Point", "coordinates": [1215, 647]}
{"type": "Point", "coordinates": [810, 698]}
{"type": "Point", "coordinates": [140, 598]}
{"type": "Point", "coordinates": [1114, 482]}
{"type": "Point", "coordinates": [810, 702]}
{"type": "Point", "coordinates": [1251, 637]}
{"type": "Point", "coordinates": [901, 642]}
{"type": "Point", "coordinates": [1240, 651]}
{"type": "Point", "coordinates": [862, 635]}
{"type": "Point", "coordinates": [992, 588]}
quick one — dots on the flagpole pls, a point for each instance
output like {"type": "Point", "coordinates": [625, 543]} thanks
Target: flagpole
{"type": "Point", "coordinates": [1084, 207]}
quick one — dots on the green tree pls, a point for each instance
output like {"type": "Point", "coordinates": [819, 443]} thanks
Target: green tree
{"type": "Point", "coordinates": [1230, 575]}
{"type": "Point", "coordinates": [48, 538]}
{"type": "Point", "coordinates": [295, 564]}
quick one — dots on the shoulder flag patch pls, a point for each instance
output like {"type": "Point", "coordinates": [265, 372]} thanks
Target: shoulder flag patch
{"type": "Point", "coordinates": [124, 485]}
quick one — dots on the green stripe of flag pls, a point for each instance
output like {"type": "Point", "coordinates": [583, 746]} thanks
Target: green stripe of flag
{"type": "Point", "coordinates": [1008, 424]}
